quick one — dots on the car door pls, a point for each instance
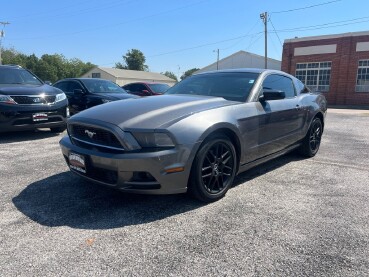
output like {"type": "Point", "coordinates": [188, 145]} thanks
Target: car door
{"type": "Point", "coordinates": [282, 119]}
{"type": "Point", "coordinates": [77, 97]}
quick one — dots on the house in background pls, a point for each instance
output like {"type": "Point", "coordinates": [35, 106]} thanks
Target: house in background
{"type": "Point", "coordinates": [124, 76]}
{"type": "Point", "coordinates": [242, 59]}
{"type": "Point", "coordinates": [336, 65]}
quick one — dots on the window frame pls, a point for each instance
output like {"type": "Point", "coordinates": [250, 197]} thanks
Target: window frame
{"type": "Point", "coordinates": [276, 74]}
{"type": "Point", "coordinates": [357, 75]}
{"type": "Point", "coordinates": [319, 69]}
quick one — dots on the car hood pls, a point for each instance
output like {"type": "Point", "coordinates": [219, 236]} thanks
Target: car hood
{"type": "Point", "coordinates": [115, 96]}
{"type": "Point", "coordinates": [151, 112]}
{"type": "Point", "coordinates": [17, 89]}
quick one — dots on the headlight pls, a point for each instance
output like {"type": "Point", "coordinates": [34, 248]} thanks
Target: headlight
{"type": "Point", "coordinates": [60, 97]}
{"type": "Point", "coordinates": [105, 100]}
{"type": "Point", "coordinates": [6, 99]}
{"type": "Point", "coordinates": [154, 139]}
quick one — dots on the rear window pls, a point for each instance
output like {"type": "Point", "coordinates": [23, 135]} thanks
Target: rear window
{"type": "Point", "coordinates": [233, 86]}
{"type": "Point", "coordinates": [159, 88]}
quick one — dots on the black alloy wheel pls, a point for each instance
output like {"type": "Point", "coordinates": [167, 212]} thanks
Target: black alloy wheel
{"type": "Point", "coordinates": [311, 142]}
{"type": "Point", "coordinates": [213, 170]}
{"type": "Point", "coordinates": [315, 135]}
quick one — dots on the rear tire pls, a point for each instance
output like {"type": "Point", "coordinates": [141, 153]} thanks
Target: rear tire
{"type": "Point", "coordinates": [213, 169]}
{"type": "Point", "coordinates": [311, 142]}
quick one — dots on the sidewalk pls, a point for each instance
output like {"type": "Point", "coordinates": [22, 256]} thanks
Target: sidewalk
{"type": "Point", "coordinates": [348, 111]}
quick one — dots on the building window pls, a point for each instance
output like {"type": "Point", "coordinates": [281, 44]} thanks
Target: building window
{"type": "Point", "coordinates": [362, 81]}
{"type": "Point", "coordinates": [315, 76]}
{"type": "Point", "coordinates": [96, 75]}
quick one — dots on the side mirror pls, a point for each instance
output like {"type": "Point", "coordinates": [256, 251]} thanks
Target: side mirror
{"type": "Point", "coordinates": [48, 83]}
{"type": "Point", "coordinates": [78, 92]}
{"type": "Point", "coordinates": [146, 92]}
{"type": "Point", "coordinates": [272, 95]}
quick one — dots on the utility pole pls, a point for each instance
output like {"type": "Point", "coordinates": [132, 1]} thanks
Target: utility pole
{"type": "Point", "coordinates": [2, 35]}
{"type": "Point", "coordinates": [217, 58]}
{"type": "Point", "coordinates": [264, 17]}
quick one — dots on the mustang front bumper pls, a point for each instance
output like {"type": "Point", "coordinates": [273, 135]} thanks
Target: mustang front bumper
{"type": "Point", "coordinates": [139, 172]}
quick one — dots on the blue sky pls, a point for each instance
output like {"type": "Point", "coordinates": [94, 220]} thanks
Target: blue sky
{"type": "Point", "coordinates": [174, 35]}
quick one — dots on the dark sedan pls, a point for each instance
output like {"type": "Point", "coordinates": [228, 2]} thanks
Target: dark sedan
{"type": "Point", "coordinates": [146, 88]}
{"type": "Point", "coordinates": [27, 103]}
{"type": "Point", "coordinates": [84, 93]}
{"type": "Point", "coordinates": [198, 136]}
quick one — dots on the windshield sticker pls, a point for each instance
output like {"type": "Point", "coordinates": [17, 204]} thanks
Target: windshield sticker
{"type": "Point", "coordinates": [251, 81]}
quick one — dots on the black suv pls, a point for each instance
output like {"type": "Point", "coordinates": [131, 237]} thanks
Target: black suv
{"type": "Point", "coordinates": [84, 93]}
{"type": "Point", "coordinates": [27, 103]}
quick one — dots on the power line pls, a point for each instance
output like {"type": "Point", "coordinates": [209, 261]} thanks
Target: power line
{"type": "Point", "coordinates": [308, 7]}
{"type": "Point", "coordinates": [52, 13]}
{"type": "Point", "coordinates": [252, 28]}
{"type": "Point", "coordinates": [321, 26]}
{"type": "Point", "coordinates": [202, 45]}
{"type": "Point", "coordinates": [275, 31]}
{"type": "Point", "coordinates": [116, 24]}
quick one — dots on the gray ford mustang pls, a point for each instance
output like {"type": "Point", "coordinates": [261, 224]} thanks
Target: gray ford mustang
{"type": "Point", "coordinates": [197, 136]}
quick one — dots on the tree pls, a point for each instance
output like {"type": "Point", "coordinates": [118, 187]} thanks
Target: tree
{"type": "Point", "coordinates": [189, 73]}
{"type": "Point", "coordinates": [133, 60]}
{"type": "Point", "coordinates": [48, 67]}
{"type": "Point", "coordinates": [170, 75]}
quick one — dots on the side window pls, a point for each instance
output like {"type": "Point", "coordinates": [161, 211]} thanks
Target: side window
{"type": "Point", "coordinates": [300, 87]}
{"type": "Point", "coordinates": [140, 87]}
{"type": "Point", "coordinates": [129, 87]}
{"type": "Point", "coordinates": [279, 82]}
{"type": "Point", "coordinates": [133, 87]}
{"type": "Point", "coordinates": [62, 85]}
{"type": "Point", "coordinates": [73, 85]}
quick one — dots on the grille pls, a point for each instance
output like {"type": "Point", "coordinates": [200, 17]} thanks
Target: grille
{"type": "Point", "coordinates": [95, 135]}
{"type": "Point", "coordinates": [32, 100]}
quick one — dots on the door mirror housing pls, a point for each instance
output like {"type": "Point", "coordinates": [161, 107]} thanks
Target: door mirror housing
{"type": "Point", "coordinates": [146, 92]}
{"type": "Point", "coordinates": [272, 95]}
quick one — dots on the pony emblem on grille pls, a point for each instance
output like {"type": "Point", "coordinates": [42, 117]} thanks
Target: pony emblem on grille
{"type": "Point", "coordinates": [89, 133]}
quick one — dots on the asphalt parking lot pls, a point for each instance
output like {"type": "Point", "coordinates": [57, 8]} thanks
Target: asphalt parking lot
{"type": "Point", "coordinates": [289, 217]}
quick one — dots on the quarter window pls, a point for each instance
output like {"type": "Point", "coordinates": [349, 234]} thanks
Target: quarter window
{"type": "Point", "coordinates": [279, 82]}
{"type": "Point", "coordinates": [315, 76]}
{"type": "Point", "coordinates": [362, 81]}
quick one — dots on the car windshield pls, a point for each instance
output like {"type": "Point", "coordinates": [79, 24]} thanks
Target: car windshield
{"type": "Point", "coordinates": [102, 86]}
{"type": "Point", "coordinates": [159, 88]}
{"type": "Point", "coordinates": [234, 86]}
{"type": "Point", "coordinates": [12, 76]}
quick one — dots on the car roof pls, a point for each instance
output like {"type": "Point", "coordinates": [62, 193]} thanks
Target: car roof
{"type": "Point", "coordinates": [241, 70]}
{"type": "Point", "coordinates": [147, 83]}
{"type": "Point", "coordinates": [81, 79]}
{"type": "Point", "coordinates": [11, 66]}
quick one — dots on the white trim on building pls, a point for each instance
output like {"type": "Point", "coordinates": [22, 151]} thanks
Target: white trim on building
{"type": "Point", "coordinates": [124, 76]}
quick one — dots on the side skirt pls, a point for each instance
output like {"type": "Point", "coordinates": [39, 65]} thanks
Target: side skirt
{"type": "Point", "coordinates": [265, 159]}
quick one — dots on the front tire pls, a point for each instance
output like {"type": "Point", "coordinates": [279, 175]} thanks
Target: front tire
{"type": "Point", "coordinates": [213, 169]}
{"type": "Point", "coordinates": [311, 142]}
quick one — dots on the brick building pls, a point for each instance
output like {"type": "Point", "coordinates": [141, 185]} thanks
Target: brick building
{"type": "Point", "coordinates": [337, 65]}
